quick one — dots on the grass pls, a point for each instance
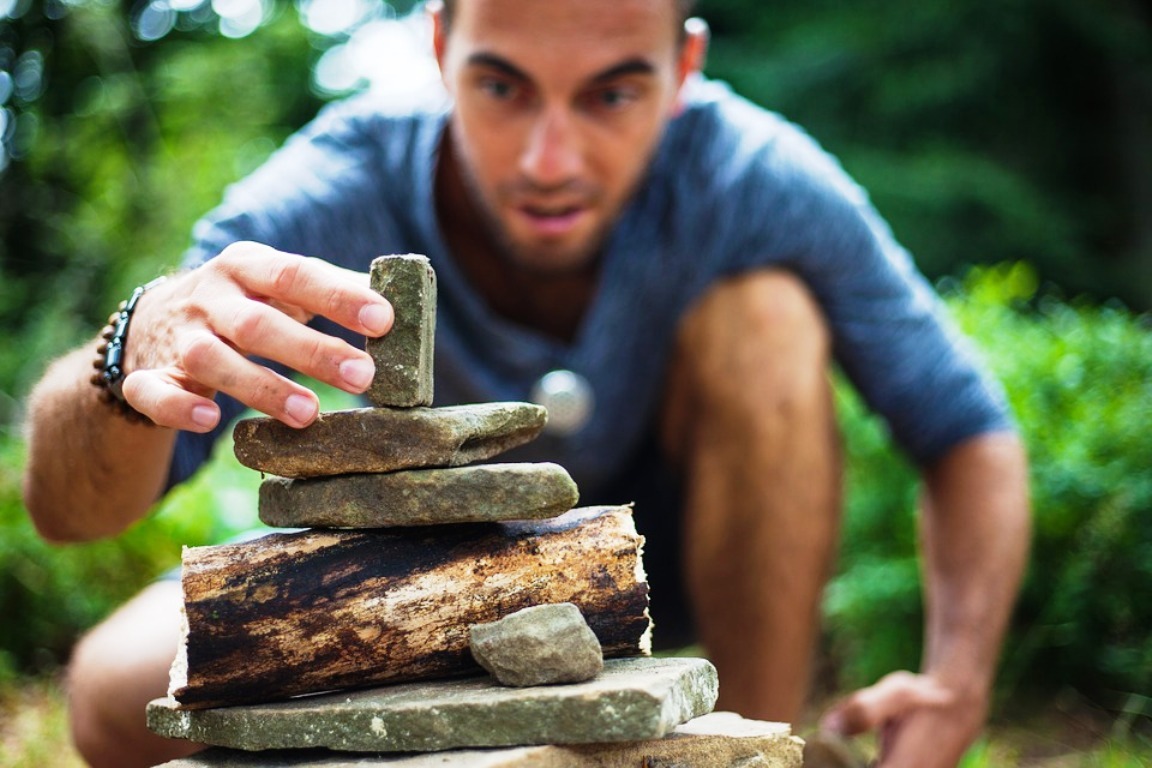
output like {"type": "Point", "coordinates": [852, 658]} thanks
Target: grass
{"type": "Point", "coordinates": [1064, 732]}
{"type": "Point", "coordinates": [34, 726]}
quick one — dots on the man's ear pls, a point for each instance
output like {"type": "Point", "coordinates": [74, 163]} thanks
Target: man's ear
{"type": "Point", "coordinates": [693, 52]}
{"type": "Point", "coordinates": [435, 11]}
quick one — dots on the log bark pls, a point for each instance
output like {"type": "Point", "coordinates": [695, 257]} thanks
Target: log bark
{"type": "Point", "coordinates": [297, 613]}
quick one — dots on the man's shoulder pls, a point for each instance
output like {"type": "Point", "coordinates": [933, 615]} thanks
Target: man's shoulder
{"type": "Point", "coordinates": [713, 114]}
{"type": "Point", "coordinates": [725, 144]}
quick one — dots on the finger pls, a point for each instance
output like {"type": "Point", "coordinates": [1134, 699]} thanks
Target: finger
{"type": "Point", "coordinates": [313, 285]}
{"type": "Point", "coordinates": [154, 394]}
{"type": "Point", "coordinates": [895, 694]}
{"type": "Point", "coordinates": [207, 360]}
{"type": "Point", "coordinates": [258, 329]}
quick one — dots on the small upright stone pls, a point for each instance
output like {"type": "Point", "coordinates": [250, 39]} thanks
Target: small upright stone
{"type": "Point", "coordinates": [403, 356]}
{"type": "Point", "coordinates": [541, 645]}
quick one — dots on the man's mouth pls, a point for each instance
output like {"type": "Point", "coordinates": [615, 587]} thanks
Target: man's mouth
{"type": "Point", "coordinates": [552, 220]}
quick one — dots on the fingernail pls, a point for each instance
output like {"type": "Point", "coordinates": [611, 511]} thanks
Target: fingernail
{"type": "Point", "coordinates": [357, 372]}
{"type": "Point", "coordinates": [204, 416]}
{"type": "Point", "coordinates": [300, 408]}
{"type": "Point", "coordinates": [377, 318]}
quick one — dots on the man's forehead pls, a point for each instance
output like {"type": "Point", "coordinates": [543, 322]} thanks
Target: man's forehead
{"type": "Point", "coordinates": [586, 32]}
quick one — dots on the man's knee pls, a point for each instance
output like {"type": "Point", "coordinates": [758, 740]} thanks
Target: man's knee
{"type": "Point", "coordinates": [754, 347]}
{"type": "Point", "coordinates": [116, 669]}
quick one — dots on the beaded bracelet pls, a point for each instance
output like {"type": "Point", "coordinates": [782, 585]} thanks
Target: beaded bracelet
{"type": "Point", "coordinates": [109, 363]}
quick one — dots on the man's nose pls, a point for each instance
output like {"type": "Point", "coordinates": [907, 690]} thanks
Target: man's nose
{"type": "Point", "coordinates": [553, 154]}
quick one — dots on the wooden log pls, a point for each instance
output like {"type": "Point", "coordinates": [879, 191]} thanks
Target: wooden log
{"type": "Point", "coordinates": [313, 611]}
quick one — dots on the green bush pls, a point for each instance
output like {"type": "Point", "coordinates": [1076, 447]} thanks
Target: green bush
{"type": "Point", "coordinates": [1080, 380]}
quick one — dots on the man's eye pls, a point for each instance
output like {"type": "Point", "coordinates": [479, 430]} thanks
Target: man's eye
{"type": "Point", "coordinates": [612, 98]}
{"type": "Point", "coordinates": [500, 90]}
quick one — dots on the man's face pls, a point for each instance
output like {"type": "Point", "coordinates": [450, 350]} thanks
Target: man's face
{"type": "Point", "coordinates": [559, 105]}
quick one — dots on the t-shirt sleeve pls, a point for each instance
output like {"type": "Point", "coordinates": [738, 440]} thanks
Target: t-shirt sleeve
{"type": "Point", "coordinates": [892, 335]}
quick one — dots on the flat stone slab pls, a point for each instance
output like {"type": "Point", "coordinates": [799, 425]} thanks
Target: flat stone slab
{"type": "Point", "coordinates": [716, 740]}
{"type": "Point", "coordinates": [539, 645]}
{"type": "Point", "coordinates": [364, 440]}
{"type": "Point", "coordinates": [482, 493]}
{"type": "Point", "coordinates": [633, 699]}
{"type": "Point", "coordinates": [403, 356]}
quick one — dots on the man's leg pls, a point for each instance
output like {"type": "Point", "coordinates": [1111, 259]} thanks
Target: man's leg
{"type": "Point", "coordinates": [751, 422]}
{"type": "Point", "coordinates": [116, 669]}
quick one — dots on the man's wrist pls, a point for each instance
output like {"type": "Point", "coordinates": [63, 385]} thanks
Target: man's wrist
{"type": "Point", "coordinates": [110, 355]}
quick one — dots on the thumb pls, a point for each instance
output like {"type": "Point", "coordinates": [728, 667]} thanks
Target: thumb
{"type": "Point", "coordinates": [891, 697]}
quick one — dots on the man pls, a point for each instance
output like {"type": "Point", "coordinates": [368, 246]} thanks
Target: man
{"type": "Point", "coordinates": [589, 205]}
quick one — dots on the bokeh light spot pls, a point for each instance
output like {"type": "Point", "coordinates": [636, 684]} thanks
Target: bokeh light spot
{"type": "Point", "coordinates": [335, 17]}
{"type": "Point", "coordinates": [154, 21]}
{"type": "Point", "coordinates": [239, 18]}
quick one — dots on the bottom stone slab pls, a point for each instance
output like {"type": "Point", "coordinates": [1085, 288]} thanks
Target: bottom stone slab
{"type": "Point", "coordinates": [631, 700]}
{"type": "Point", "coordinates": [717, 740]}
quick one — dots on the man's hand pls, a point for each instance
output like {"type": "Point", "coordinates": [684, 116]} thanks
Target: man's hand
{"type": "Point", "coordinates": [192, 336]}
{"type": "Point", "coordinates": [922, 721]}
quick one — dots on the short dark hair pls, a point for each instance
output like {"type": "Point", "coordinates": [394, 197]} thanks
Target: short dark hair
{"type": "Point", "coordinates": [685, 8]}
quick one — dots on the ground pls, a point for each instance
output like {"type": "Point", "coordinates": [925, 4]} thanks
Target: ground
{"type": "Point", "coordinates": [1061, 732]}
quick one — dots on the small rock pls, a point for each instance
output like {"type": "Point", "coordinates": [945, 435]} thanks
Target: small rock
{"type": "Point", "coordinates": [540, 645]}
{"type": "Point", "coordinates": [403, 356]}
{"type": "Point", "coordinates": [475, 494]}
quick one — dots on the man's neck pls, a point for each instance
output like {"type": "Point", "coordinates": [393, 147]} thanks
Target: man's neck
{"type": "Point", "coordinates": [551, 304]}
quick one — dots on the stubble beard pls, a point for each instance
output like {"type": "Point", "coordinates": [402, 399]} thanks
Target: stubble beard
{"type": "Point", "coordinates": [542, 261]}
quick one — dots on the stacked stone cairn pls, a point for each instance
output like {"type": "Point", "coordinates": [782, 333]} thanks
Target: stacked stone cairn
{"type": "Point", "coordinates": [417, 568]}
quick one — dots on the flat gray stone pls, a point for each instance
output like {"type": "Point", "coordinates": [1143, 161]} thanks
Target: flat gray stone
{"type": "Point", "coordinates": [716, 740]}
{"type": "Point", "coordinates": [366, 440]}
{"type": "Point", "coordinates": [481, 493]}
{"type": "Point", "coordinates": [403, 356]}
{"type": "Point", "coordinates": [633, 699]}
{"type": "Point", "coordinates": [541, 645]}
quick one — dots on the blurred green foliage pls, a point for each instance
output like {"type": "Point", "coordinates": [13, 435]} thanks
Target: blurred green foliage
{"type": "Point", "coordinates": [1018, 131]}
{"type": "Point", "coordinates": [985, 132]}
{"type": "Point", "coordinates": [132, 143]}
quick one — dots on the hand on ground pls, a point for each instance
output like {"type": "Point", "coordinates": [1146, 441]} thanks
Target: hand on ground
{"type": "Point", "coordinates": [192, 336]}
{"type": "Point", "coordinates": [922, 722]}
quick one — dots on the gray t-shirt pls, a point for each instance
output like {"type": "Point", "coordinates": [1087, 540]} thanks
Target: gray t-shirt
{"type": "Point", "coordinates": [732, 187]}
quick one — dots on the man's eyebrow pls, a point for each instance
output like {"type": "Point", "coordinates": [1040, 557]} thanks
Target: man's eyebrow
{"type": "Point", "coordinates": [492, 61]}
{"type": "Point", "coordinates": [635, 66]}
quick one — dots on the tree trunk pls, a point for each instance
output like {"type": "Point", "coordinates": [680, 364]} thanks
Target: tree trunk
{"type": "Point", "coordinates": [318, 610]}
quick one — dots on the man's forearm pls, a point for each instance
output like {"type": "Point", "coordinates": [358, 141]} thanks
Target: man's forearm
{"type": "Point", "coordinates": [975, 533]}
{"type": "Point", "coordinates": [90, 472]}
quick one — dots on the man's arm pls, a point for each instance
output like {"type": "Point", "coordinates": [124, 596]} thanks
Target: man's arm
{"type": "Point", "coordinates": [975, 536]}
{"type": "Point", "coordinates": [91, 473]}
